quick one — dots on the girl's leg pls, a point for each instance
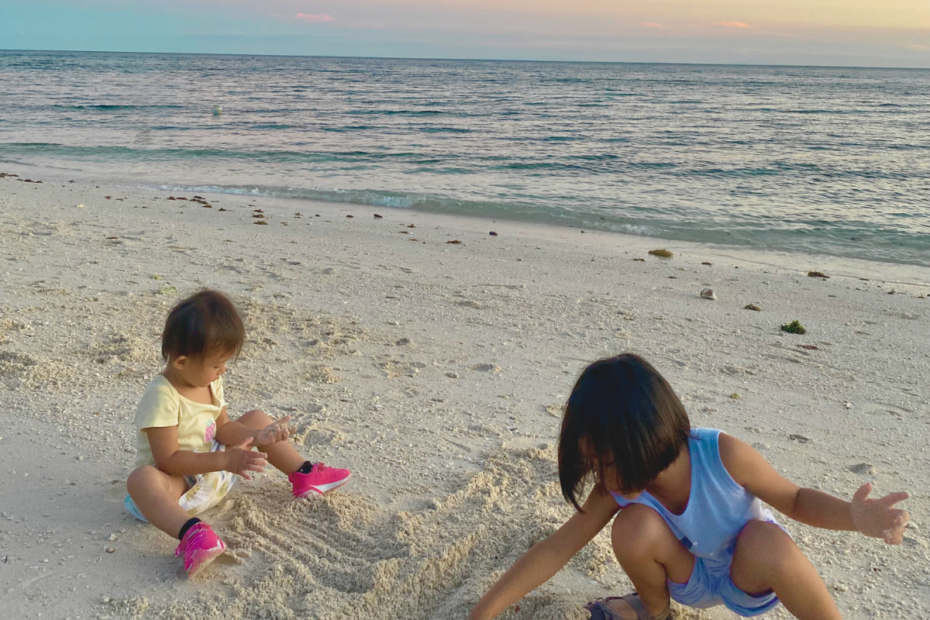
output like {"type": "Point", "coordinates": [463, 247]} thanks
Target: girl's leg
{"type": "Point", "coordinates": [650, 554]}
{"type": "Point", "coordinates": [767, 559]}
{"type": "Point", "coordinates": [156, 494]}
{"type": "Point", "coordinates": [282, 455]}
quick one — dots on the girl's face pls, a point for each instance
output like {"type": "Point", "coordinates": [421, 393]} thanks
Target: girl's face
{"type": "Point", "coordinates": [201, 372]}
{"type": "Point", "coordinates": [612, 483]}
{"type": "Point", "coordinates": [611, 477]}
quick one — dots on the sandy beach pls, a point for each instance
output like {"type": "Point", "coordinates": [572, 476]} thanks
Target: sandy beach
{"type": "Point", "coordinates": [432, 358]}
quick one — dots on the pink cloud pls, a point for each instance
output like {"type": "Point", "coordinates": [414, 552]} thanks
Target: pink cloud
{"type": "Point", "coordinates": [651, 25]}
{"type": "Point", "coordinates": [314, 19]}
{"type": "Point", "coordinates": [734, 25]}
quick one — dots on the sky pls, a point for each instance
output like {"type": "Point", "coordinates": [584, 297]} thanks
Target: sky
{"type": "Point", "coordinates": [884, 33]}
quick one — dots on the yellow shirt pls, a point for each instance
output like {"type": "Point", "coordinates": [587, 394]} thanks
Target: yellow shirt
{"type": "Point", "coordinates": [162, 406]}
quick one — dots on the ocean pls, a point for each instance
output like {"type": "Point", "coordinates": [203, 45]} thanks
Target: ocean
{"type": "Point", "coordinates": [821, 160]}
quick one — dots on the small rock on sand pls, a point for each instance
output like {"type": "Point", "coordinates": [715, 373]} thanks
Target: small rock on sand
{"type": "Point", "coordinates": [708, 293]}
{"type": "Point", "coordinates": [862, 468]}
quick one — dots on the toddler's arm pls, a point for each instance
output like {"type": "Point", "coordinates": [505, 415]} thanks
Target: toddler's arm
{"type": "Point", "coordinates": [170, 459]}
{"type": "Point", "coordinates": [547, 557]}
{"type": "Point", "coordinates": [873, 517]}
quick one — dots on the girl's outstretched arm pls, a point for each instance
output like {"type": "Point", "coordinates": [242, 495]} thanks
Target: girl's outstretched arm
{"type": "Point", "coordinates": [547, 557]}
{"type": "Point", "coordinates": [873, 517]}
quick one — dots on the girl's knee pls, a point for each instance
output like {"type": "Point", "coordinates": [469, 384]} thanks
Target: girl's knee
{"type": "Point", "coordinates": [638, 531]}
{"type": "Point", "coordinates": [255, 418]}
{"type": "Point", "coordinates": [762, 542]}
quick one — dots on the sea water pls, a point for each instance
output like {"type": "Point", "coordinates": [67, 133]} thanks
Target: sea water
{"type": "Point", "coordinates": [822, 160]}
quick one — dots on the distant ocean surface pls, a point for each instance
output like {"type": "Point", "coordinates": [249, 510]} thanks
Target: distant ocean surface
{"type": "Point", "coordinates": [823, 160]}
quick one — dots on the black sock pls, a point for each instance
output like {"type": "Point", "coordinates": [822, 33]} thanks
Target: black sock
{"type": "Point", "coordinates": [306, 468]}
{"type": "Point", "coordinates": [190, 523]}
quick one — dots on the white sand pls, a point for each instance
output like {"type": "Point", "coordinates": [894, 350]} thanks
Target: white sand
{"type": "Point", "coordinates": [435, 371]}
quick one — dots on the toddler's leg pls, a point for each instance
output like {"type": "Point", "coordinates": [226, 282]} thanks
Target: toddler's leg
{"type": "Point", "coordinates": [282, 455]}
{"type": "Point", "coordinates": [767, 559]}
{"type": "Point", "coordinates": [650, 554]}
{"type": "Point", "coordinates": [156, 495]}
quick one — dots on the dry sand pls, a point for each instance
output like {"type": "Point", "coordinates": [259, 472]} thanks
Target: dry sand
{"type": "Point", "coordinates": [436, 371]}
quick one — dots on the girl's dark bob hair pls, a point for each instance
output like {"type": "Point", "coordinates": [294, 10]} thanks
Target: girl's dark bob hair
{"type": "Point", "coordinates": [205, 323]}
{"type": "Point", "coordinates": [623, 416]}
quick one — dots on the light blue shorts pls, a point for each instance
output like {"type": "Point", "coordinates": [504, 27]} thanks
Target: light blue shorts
{"type": "Point", "coordinates": [710, 585]}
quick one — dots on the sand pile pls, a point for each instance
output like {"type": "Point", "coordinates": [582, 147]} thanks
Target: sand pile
{"type": "Point", "coordinates": [345, 557]}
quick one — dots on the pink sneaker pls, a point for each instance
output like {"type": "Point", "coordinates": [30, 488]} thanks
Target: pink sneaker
{"type": "Point", "coordinates": [320, 480]}
{"type": "Point", "coordinates": [200, 546]}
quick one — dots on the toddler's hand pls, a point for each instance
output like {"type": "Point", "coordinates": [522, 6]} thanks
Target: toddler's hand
{"type": "Point", "coordinates": [241, 460]}
{"type": "Point", "coordinates": [877, 518]}
{"type": "Point", "coordinates": [279, 430]}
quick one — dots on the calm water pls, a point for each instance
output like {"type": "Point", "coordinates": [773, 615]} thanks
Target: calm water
{"type": "Point", "coordinates": [823, 160]}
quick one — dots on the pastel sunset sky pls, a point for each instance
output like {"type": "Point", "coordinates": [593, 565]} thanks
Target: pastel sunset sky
{"type": "Point", "coordinates": [808, 32]}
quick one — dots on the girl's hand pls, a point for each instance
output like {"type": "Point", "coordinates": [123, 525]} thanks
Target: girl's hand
{"type": "Point", "coordinates": [877, 518]}
{"type": "Point", "coordinates": [241, 460]}
{"type": "Point", "coordinates": [279, 430]}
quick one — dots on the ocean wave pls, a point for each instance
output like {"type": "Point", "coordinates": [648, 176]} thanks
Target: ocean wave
{"type": "Point", "coordinates": [129, 154]}
{"type": "Point", "coordinates": [105, 107]}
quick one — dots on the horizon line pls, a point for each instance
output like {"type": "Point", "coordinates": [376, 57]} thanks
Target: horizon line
{"type": "Point", "coordinates": [434, 59]}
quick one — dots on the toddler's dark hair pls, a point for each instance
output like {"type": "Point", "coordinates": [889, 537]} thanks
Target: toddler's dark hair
{"type": "Point", "coordinates": [621, 415]}
{"type": "Point", "coordinates": [205, 323]}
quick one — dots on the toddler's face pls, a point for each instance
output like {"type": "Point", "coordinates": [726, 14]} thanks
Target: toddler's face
{"type": "Point", "coordinates": [202, 372]}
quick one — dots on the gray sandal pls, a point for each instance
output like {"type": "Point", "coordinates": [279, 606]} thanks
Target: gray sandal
{"type": "Point", "coordinates": [600, 611]}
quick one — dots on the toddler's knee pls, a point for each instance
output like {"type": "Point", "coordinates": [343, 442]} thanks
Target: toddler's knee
{"type": "Point", "coordinates": [637, 531]}
{"type": "Point", "coordinates": [255, 418]}
{"type": "Point", "coordinates": [140, 476]}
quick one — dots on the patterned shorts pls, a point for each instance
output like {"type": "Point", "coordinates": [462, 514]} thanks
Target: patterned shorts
{"type": "Point", "coordinates": [204, 491]}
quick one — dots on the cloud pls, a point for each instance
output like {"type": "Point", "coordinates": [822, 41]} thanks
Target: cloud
{"type": "Point", "coordinates": [651, 25]}
{"type": "Point", "coordinates": [314, 19]}
{"type": "Point", "coordinates": [734, 25]}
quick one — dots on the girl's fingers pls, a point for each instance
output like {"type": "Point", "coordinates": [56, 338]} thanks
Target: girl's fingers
{"type": "Point", "coordinates": [863, 492]}
{"type": "Point", "coordinates": [894, 498]}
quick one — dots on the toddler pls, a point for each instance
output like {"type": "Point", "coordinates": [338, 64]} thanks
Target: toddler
{"type": "Point", "coordinates": [189, 452]}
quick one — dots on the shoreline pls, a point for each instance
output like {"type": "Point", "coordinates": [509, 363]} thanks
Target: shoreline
{"type": "Point", "coordinates": [906, 274]}
{"type": "Point", "coordinates": [434, 370]}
